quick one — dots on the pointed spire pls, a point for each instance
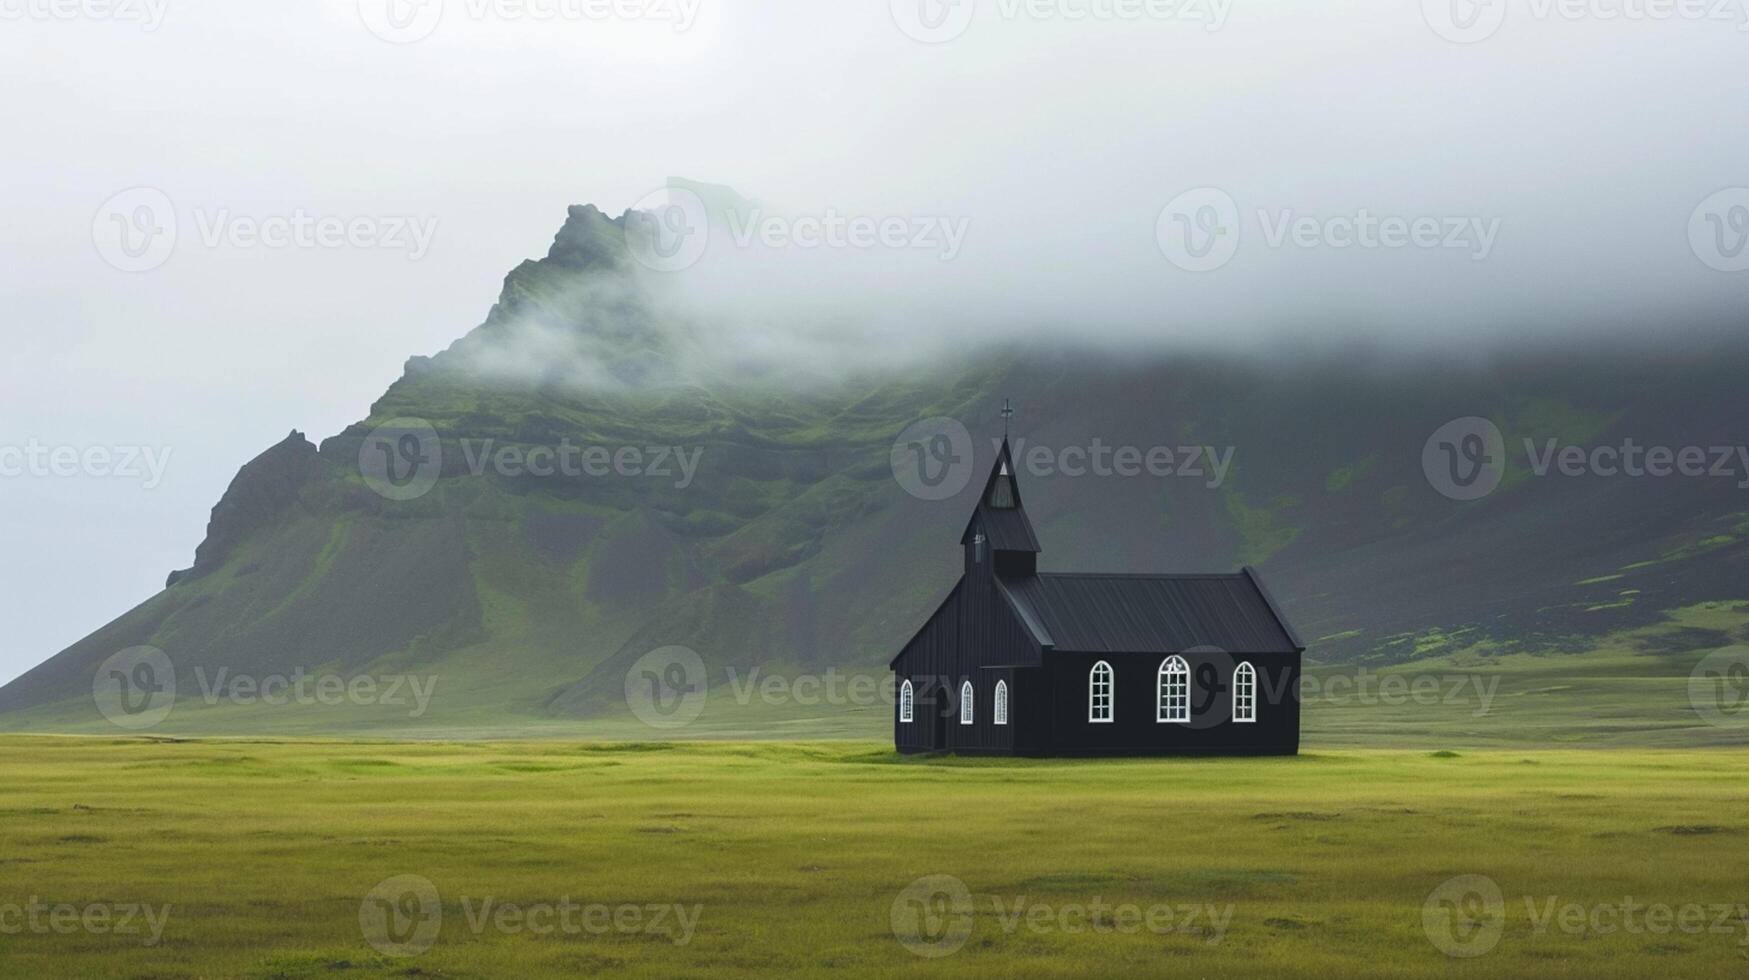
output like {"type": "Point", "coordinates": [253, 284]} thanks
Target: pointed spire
{"type": "Point", "coordinates": [1000, 512]}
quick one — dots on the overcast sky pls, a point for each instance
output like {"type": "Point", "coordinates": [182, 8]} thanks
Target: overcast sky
{"type": "Point", "coordinates": [1135, 168]}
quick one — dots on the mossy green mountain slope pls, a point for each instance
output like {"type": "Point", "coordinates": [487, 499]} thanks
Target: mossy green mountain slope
{"type": "Point", "coordinates": [792, 546]}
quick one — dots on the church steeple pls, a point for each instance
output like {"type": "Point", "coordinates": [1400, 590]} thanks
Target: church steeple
{"type": "Point", "coordinates": [999, 532]}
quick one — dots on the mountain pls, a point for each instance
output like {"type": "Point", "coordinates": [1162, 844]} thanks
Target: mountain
{"type": "Point", "coordinates": [760, 516]}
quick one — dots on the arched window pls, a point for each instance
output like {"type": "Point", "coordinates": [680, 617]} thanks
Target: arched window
{"type": "Point", "coordinates": [1173, 694]}
{"type": "Point", "coordinates": [1000, 714]}
{"type": "Point", "coordinates": [1099, 690]}
{"type": "Point", "coordinates": [905, 701]}
{"type": "Point", "coordinates": [1244, 693]}
{"type": "Point", "coordinates": [966, 703]}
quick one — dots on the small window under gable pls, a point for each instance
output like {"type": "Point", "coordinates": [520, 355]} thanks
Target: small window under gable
{"type": "Point", "coordinates": [1000, 713]}
{"type": "Point", "coordinates": [906, 702]}
{"type": "Point", "coordinates": [1002, 490]}
{"type": "Point", "coordinates": [966, 703]}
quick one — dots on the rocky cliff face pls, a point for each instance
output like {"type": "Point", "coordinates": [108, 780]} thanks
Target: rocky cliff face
{"type": "Point", "coordinates": [264, 489]}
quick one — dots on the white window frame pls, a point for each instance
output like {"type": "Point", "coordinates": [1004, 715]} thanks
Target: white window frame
{"type": "Point", "coordinates": [1094, 694]}
{"type": "Point", "coordinates": [999, 707]}
{"type": "Point", "coordinates": [966, 706]}
{"type": "Point", "coordinates": [1172, 692]}
{"type": "Point", "coordinates": [907, 701]}
{"type": "Point", "coordinates": [1244, 694]}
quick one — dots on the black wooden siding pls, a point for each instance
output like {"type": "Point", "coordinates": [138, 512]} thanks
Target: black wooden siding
{"type": "Point", "coordinates": [1135, 730]}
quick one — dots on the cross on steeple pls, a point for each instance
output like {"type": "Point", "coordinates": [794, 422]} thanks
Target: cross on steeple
{"type": "Point", "coordinates": [1007, 413]}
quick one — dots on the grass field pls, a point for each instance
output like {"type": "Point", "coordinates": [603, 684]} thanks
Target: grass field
{"type": "Point", "coordinates": [259, 859]}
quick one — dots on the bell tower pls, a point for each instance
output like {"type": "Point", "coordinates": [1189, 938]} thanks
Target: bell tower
{"type": "Point", "coordinates": [999, 540]}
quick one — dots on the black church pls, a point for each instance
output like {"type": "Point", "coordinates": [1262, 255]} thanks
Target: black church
{"type": "Point", "coordinates": [1019, 662]}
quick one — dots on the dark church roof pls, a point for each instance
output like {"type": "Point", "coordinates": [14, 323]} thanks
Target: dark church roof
{"type": "Point", "coordinates": [1009, 530]}
{"type": "Point", "coordinates": [1149, 613]}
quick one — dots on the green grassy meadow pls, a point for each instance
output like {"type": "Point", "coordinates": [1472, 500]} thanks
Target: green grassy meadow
{"type": "Point", "coordinates": [787, 858]}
